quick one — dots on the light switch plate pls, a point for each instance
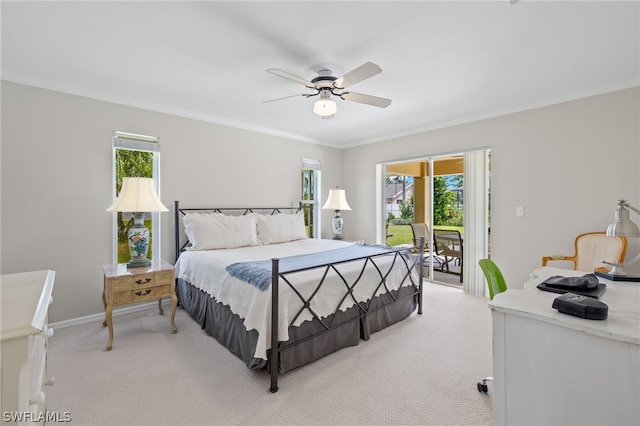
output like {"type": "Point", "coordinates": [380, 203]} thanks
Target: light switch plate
{"type": "Point", "coordinates": [519, 211]}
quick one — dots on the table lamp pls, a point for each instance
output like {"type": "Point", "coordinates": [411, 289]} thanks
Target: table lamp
{"type": "Point", "coordinates": [622, 226]}
{"type": "Point", "coordinates": [337, 201]}
{"type": "Point", "coordinates": [137, 196]}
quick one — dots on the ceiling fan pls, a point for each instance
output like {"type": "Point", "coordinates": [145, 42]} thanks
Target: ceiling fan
{"type": "Point", "coordinates": [326, 85]}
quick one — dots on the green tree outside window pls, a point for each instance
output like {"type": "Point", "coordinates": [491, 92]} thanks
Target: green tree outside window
{"type": "Point", "coordinates": [138, 164]}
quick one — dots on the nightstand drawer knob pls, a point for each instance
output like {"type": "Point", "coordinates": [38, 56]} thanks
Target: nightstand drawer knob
{"type": "Point", "coordinates": [143, 293]}
{"type": "Point", "coordinates": [145, 281]}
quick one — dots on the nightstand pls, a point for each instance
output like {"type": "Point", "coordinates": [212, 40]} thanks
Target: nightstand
{"type": "Point", "coordinates": [125, 286]}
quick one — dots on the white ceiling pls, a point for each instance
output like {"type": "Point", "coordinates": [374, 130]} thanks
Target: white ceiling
{"type": "Point", "coordinates": [443, 62]}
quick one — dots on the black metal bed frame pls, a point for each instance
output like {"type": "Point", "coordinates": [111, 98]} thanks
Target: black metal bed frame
{"type": "Point", "coordinates": [179, 248]}
{"type": "Point", "coordinates": [364, 308]}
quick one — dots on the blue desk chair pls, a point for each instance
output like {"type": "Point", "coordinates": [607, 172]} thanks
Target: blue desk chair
{"type": "Point", "coordinates": [497, 285]}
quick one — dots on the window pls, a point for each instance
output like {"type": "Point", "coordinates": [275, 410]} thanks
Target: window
{"type": "Point", "coordinates": [138, 156]}
{"type": "Point", "coordinates": [310, 192]}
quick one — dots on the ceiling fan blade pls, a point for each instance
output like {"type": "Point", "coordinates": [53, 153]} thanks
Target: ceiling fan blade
{"type": "Point", "coordinates": [363, 72]}
{"type": "Point", "coordinates": [289, 76]}
{"type": "Point", "coordinates": [366, 99]}
{"type": "Point", "coordinates": [306, 95]}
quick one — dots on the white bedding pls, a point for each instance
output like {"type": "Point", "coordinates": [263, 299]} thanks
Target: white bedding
{"type": "Point", "coordinates": [206, 271]}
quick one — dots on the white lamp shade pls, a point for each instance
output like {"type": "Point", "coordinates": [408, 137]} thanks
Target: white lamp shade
{"type": "Point", "coordinates": [325, 107]}
{"type": "Point", "coordinates": [337, 200]}
{"type": "Point", "coordinates": [137, 195]}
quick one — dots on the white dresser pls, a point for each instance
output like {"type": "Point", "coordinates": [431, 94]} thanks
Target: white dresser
{"type": "Point", "coordinates": [24, 301]}
{"type": "Point", "coordinates": [555, 369]}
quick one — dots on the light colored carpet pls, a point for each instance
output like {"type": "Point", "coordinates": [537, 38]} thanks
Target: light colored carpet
{"type": "Point", "coordinates": [422, 371]}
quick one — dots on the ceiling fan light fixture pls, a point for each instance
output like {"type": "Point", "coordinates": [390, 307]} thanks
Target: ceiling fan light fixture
{"type": "Point", "coordinates": [325, 86]}
{"type": "Point", "coordinates": [325, 106]}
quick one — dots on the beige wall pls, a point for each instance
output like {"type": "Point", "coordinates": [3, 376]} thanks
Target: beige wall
{"type": "Point", "coordinates": [56, 181]}
{"type": "Point", "coordinates": [567, 164]}
{"type": "Point", "coordinates": [560, 162]}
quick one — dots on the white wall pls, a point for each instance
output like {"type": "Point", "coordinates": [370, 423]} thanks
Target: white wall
{"type": "Point", "coordinates": [567, 164]}
{"type": "Point", "coordinates": [56, 182]}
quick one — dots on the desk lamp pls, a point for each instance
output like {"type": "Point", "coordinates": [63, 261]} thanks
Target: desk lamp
{"type": "Point", "coordinates": [622, 226]}
{"type": "Point", "coordinates": [337, 201]}
{"type": "Point", "coordinates": [138, 196]}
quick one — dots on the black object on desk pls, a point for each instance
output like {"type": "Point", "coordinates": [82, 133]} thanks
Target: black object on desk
{"type": "Point", "coordinates": [581, 306]}
{"type": "Point", "coordinates": [586, 285]}
{"type": "Point", "coordinates": [612, 277]}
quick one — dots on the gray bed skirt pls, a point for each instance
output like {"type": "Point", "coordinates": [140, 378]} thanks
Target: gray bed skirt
{"type": "Point", "coordinates": [228, 329]}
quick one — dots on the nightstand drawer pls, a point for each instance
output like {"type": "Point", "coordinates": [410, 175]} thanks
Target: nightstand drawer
{"type": "Point", "coordinates": [150, 293]}
{"type": "Point", "coordinates": [143, 281]}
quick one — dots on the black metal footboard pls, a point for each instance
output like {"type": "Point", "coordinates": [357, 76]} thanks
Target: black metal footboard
{"type": "Point", "coordinates": [365, 308]}
{"type": "Point", "coordinates": [409, 289]}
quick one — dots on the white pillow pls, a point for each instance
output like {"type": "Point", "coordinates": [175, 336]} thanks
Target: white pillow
{"type": "Point", "coordinates": [208, 231]}
{"type": "Point", "coordinates": [279, 228]}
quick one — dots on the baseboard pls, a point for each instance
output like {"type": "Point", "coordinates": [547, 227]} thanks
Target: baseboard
{"type": "Point", "coordinates": [116, 313]}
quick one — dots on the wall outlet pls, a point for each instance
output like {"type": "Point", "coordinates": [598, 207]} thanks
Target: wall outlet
{"type": "Point", "coordinates": [519, 211]}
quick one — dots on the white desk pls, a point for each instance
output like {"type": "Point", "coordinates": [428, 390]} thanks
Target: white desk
{"type": "Point", "coordinates": [551, 368]}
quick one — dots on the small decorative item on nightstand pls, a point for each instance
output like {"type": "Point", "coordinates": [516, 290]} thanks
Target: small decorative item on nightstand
{"type": "Point", "coordinates": [337, 201]}
{"type": "Point", "coordinates": [124, 286]}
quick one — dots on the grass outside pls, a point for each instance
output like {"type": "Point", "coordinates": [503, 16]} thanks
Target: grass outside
{"type": "Point", "coordinates": [402, 234]}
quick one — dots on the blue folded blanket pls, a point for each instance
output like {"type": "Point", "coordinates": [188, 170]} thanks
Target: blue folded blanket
{"type": "Point", "coordinates": [258, 273]}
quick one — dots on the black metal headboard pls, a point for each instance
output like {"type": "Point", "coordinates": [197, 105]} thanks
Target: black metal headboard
{"type": "Point", "coordinates": [235, 211]}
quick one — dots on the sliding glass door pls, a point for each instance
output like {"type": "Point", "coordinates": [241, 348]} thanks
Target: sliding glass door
{"type": "Point", "coordinates": [447, 195]}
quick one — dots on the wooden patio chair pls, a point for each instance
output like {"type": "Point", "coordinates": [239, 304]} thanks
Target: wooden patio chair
{"type": "Point", "coordinates": [448, 244]}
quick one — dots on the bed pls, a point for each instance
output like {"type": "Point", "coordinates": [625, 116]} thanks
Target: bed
{"type": "Point", "coordinates": [279, 300]}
